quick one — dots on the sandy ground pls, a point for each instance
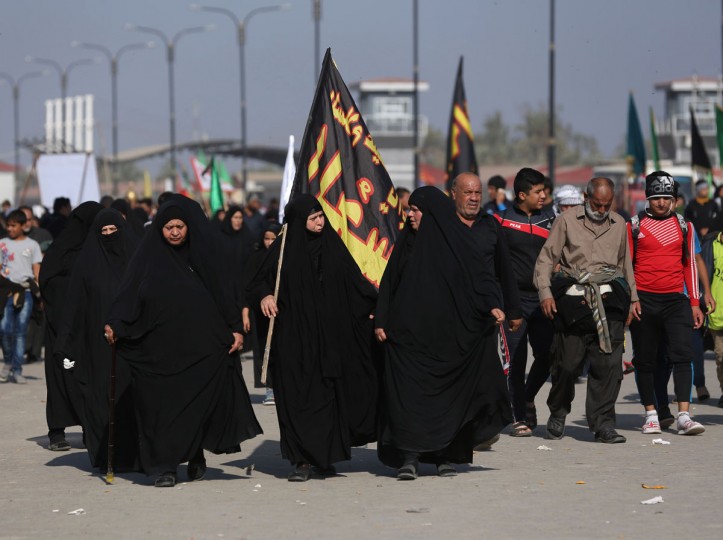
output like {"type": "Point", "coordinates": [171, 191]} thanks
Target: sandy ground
{"type": "Point", "coordinates": [577, 489]}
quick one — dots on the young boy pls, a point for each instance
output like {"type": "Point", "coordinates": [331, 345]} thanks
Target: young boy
{"type": "Point", "coordinates": [20, 263]}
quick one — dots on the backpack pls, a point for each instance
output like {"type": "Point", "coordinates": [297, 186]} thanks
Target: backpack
{"type": "Point", "coordinates": [635, 229]}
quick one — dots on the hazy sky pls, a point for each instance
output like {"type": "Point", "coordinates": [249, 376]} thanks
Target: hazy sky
{"type": "Point", "coordinates": [605, 48]}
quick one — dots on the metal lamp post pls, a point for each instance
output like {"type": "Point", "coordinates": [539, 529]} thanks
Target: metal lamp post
{"type": "Point", "coordinates": [15, 85]}
{"type": "Point", "coordinates": [63, 74]}
{"type": "Point", "coordinates": [113, 62]}
{"type": "Point", "coordinates": [170, 57]}
{"type": "Point", "coordinates": [241, 25]}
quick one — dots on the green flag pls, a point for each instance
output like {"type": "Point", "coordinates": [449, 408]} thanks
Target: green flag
{"type": "Point", "coordinates": [654, 141]}
{"type": "Point", "coordinates": [719, 132]}
{"type": "Point", "coordinates": [216, 197]}
{"type": "Point", "coordinates": [636, 145]}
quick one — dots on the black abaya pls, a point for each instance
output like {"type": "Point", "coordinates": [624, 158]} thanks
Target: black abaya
{"type": "Point", "coordinates": [63, 405]}
{"type": "Point", "coordinates": [174, 324]}
{"type": "Point", "coordinates": [93, 287]}
{"type": "Point", "coordinates": [444, 388]}
{"type": "Point", "coordinates": [323, 357]}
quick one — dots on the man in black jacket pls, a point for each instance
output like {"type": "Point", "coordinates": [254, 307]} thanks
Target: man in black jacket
{"type": "Point", "coordinates": [526, 226]}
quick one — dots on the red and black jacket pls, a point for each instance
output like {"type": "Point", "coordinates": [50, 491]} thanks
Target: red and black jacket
{"type": "Point", "coordinates": [525, 237]}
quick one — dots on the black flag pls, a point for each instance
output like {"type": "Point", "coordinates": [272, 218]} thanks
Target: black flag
{"type": "Point", "coordinates": [340, 165]}
{"type": "Point", "coordinates": [460, 140]}
{"type": "Point", "coordinates": [698, 154]}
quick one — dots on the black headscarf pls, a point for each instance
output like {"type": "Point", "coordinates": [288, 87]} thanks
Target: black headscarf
{"type": "Point", "coordinates": [323, 355]}
{"type": "Point", "coordinates": [131, 217]}
{"type": "Point", "coordinates": [175, 320]}
{"type": "Point", "coordinates": [238, 246]}
{"type": "Point", "coordinates": [444, 387]}
{"type": "Point", "coordinates": [93, 286]}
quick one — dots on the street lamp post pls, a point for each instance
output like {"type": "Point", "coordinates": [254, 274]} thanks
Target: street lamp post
{"type": "Point", "coordinates": [316, 14]}
{"type": "Point", "coordinates": [63, 74]}
{"type": "Point", "coordinates": [241, 32]}
{"type": "Point", "coordinates": [15, 85]}
{"type": "Point", "coordinates": [113, 62]}
{"type": "Point", "coordinates": [170, 57]}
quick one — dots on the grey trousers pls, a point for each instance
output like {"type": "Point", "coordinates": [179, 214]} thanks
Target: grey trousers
{"type": "Point", "coordinates": [569, 353]}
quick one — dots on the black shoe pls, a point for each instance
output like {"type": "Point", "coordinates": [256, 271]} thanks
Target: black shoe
{"type": "Point", "coordinates": [608, 435]}
{"type": "Point", "coordinates": [445, 470]}
{"type": "Point", "coordinates": [666, 421]}
{"type": "Point", "coordinates": [408, 471]}
{"type": "Point", "coordinates": [486, 445]}
{"type": "Point", "coordinates": [720, 402]}
{"type": "Point", "coordinates": [324, 471]}
{"type": "Point", "coordinates": [555, 428]}
{"type": "Point", "coordinates": [196, 469]}
{"type": "Point", "coordinates": [301, 473]}
{"type": "Point", "coordinates": [167, 479]}
{"type": "Point", "coordinates": [59, 446]}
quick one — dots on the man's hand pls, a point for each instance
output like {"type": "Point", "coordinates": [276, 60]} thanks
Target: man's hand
{"type": "Point", "coordinates": [549, 308]}
{"type": "Point", "coordinates": [709, 303]}
{"type": "Point", "coordinates": [498, 314]}
{"type": "Point", "coordinates": [238, 342]}
{"type": "Point", "coordinates": [246, 320]}
{"type": "Point", "coordinates": [635, 312]}
{"type": "Point", "coordinates": [109, 335]}
{"type": "Point", "coordinates": [380, 334]}
{"type": "Point", "coordinates": [698, 317]}
{"type": "Point", "coordinates": [268, 306]}
{"type": "Point", "coordinates": [514, 324]}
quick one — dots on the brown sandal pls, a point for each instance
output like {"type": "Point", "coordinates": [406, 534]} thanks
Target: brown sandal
{"type": "Point", "coordinates": [521, 429]}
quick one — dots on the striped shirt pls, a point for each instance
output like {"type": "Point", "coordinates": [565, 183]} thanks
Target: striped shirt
{"type": "Point", "coordinates": [658, 263]}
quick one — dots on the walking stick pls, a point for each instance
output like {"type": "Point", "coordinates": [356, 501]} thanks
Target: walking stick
{"type": "Point", "coordinates": [267, 348]}
{"type": "Point", "coordinates": [111, 418]}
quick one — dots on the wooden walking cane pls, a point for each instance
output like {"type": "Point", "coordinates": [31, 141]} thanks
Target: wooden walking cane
{"type": "Point", "coordinates": [111, 418]}
{"type": "Point", "coordinates": [267, 349]}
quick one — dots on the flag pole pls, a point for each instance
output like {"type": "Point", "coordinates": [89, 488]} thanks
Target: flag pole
{"type": "Point", "coordinates": [269, 335]}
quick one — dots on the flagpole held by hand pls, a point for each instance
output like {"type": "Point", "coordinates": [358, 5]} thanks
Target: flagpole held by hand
{"type": "Point", "coordinates": [267, 349]}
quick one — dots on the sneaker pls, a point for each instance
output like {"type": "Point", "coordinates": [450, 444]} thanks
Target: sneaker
{"type": "Point", "coordinates": [651, 426]}
{"type": "Point", "coordinates": [269, 399]}
{"type": "Point", "coordinates": [689, 427]}
{"type": "Point", "coordinates": [5, 372]}
{"type": "Point", "coordinates": [628, 367]}
{"type": "Point", "coordinates": [19, 379]}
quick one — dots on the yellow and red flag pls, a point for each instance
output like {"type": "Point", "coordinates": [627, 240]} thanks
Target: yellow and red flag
{"type": "Point", "coordinates": [460, 139]}
{"type": "Point", "coordinates": [339, 164]}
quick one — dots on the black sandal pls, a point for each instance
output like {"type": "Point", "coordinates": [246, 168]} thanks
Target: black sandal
{"type": "Point", "coordinates": [167, 479]}
{"type": "Point", "coordinates": [301, 473]}
{"type": "Point", "coordinates": [520, 429]}
{"type": "Point", "coordinates": [445, 470]}
{"type": "Point", "coordinates": [408, 471]}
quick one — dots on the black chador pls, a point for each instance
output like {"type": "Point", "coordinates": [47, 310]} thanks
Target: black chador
{"type": "Point", "coordinates": [174, 323]}
{"type": "Point", "coordinates": [444, 390]}
{"type": "Point", "coordinates": [63, 403]}
{"type": "Point", "coordinates": [322, 354]}
{"type": "Point", "coordinates": [93, 286]}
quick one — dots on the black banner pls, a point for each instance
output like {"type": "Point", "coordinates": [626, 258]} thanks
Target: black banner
{"type": "Point", "coordinates": [460, 139]}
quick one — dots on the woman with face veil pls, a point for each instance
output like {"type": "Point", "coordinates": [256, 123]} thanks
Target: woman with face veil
{"type": "Point", "coordinates": [63, 405]}
{"type": "Point", "coordinates": [444, 389]}
{"type": "Point", "coordinates": [322, 354]}
{"type": "Point", "coordinates": [176, 329]}
{"type": "Point", "coordinates": [81, 347]}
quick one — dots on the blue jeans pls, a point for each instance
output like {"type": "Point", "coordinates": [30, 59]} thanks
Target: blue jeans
{"type": "Point", "coordinates": [14, 328]}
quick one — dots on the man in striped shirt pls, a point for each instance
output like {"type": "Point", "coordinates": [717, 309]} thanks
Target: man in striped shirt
{"type": "Point", "coordinates": [662, 247]}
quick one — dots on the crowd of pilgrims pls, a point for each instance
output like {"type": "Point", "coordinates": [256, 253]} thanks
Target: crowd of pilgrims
{"type": "Point", "coordinates": [170, 299]}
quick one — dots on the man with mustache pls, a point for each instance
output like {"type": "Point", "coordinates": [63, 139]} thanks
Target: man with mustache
{"type": "Point", "coordinates": [590, 300]}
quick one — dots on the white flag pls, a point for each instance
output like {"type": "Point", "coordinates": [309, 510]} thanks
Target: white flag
{"type": "Point", "coordinates": [288, 180]}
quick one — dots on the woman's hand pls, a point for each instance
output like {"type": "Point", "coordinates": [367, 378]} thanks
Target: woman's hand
{"type": "Point", "coordinates": [246, 320]}
{"type": "Point", "coordinates": [268, 306]}
{"type": "Point", "coordinates": [238, 342]}
{"type": "Point", "coordinates": [498, 314]}
{"type": "Point", "coordinates": [109, 335]}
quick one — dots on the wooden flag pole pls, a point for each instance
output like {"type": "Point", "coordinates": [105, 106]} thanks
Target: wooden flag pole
{"type": "Point", "coordinates": [269, 335]}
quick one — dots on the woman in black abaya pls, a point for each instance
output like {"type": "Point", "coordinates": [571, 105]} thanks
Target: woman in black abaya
{"type": "Point", "coordinates": [93, 287]}
{"type": "Point", "coordinates": [62, 408]}
{"type": "Point", "coordinates": [176, 328]}
{"type": "Point", "coordinates": [237, 244]}
{"type": "Point", "coordinates": [444, 389]}
{"type": "Point", "coordinates": [322, 354]}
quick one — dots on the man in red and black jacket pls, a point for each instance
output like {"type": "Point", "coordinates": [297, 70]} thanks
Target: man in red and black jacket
{"type": "Point", "coordinates": [526, 225]}
{"type": "Point", "coordinates": [662, 247]}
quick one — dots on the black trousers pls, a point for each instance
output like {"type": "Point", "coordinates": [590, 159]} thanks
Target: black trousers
{"type": "Point", "coordinates": [539, 330]}
{"type": "Point", "coordinates": [666, 319]}
{"type": "Point", "coordinates": [570, 351]}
